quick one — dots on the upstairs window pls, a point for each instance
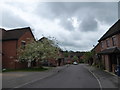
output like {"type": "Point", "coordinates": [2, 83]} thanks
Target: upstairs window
{"type": "Point", "coordinates": [108, 43]}
{"type": "Point", "coordinates": [23, 43]}
{"type": "Point", "coordinates": [114, 41]}
{"type": "Point", "coordinates": [102, 44]}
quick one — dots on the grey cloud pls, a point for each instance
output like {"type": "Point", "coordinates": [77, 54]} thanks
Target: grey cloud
{"type": "Point", "coordinates": [77, 43]}
{"type": "Point", "coordinates": [85, 12]}
{"type": "Point", "coordinates": [119, 9]}
{"type": "Point", "coordinates": [104, 11]}
{"type": "Point", "coordinates": [70, 8]}
{"type": "Point", "coordinates": [66, 24]}
{"type": "Point", "coordinates": [89, 24]}
{"type": "Point", "coordinates": [55, 10]}
{"type": "Point", "coordinates": [69, 44]}
{"type": "Point", "coordinates": [77, 46]}
{"type": "Point", "coordinates": [10, 20]}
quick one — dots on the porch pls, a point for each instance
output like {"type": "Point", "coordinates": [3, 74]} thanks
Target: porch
{"type": "Point", "coordinates": [111, 59]}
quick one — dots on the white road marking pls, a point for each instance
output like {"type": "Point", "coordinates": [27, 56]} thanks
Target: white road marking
{"type": "Point", "coordinates": [30, 82]}
{"type": "Point", "coordinates": [96, 78]}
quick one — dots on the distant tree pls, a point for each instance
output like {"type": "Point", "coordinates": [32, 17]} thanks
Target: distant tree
{"type": "Point", "coordinates": [88, 57]}
{"type": "Point", "coordinates": [75, 58]}
{"type": "Point", "coordinates": [66, 53]}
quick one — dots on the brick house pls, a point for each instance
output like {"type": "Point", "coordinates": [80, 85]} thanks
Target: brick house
{"type": "Point", "coordinates": [69, 55]}
{"type": "Point", "coordinates": [76, 54]}
{"type": "Point", "coordinates": [0, 50]}
{"type": "Point", "coordinates": [108, 49]}
{"type": "Point", "coordinates": [95, 57]}
{"type": "Point", "coordinates": [11, 41]}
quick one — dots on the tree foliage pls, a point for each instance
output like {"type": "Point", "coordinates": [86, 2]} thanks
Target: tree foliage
{"type": "Point", "coordinates": [66, 53]}
{"type": "Point", "coordinates": [75, 58]}
{"type": "Point", "coordinates": [88, 56]}
{"type": "Point", "coordinates": [39, 50]}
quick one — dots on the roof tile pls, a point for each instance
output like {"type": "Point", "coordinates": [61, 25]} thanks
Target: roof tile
{"type": "Point", "coordinates": [13, 34]}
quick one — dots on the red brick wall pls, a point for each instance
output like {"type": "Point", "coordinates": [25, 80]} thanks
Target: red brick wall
{"type": "Point", "coordinates": [111, 42]}
{"type": "Point", "coordinates": [118, 40]}
{"type": "Point", "coordinates": [0, 55]}
{"type": "Point", "coordinates": [0, 49]}
{"type": "Point", "coordinates": [97, 48]}
{"type": "Point", "coordinates": [9, 56]}
{"type": "Point", "coordinates": [26, 37]}
{"type": "Point", "coordinates": [106, 58]}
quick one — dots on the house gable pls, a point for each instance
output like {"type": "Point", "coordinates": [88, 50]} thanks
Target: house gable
{"type": "Point", "coordinates": [11, 39]}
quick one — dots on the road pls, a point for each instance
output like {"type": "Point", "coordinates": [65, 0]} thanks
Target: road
{"type": "Point", "coordinates": [75, 76]}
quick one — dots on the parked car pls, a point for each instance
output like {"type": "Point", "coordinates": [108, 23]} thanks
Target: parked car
{"type": "Point", "coordinates": [75, 63]}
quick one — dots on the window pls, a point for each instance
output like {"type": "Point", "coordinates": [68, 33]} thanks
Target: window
{"type": "Point", "coordinates": [108, 43]}
{"type": "Point", "coordinates": [114, 41]}
{"type": "Point", "coordinates": [102, 44]}
{"type": "Point", "coordinates": [23, 44]}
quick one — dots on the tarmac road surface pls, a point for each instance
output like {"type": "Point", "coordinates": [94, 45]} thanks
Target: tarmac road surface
{"type": "Point", "coordinates": [75, 76]}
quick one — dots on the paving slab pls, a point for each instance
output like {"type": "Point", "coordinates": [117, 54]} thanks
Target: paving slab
{"type": "Point", "coordinates": [107, 79]}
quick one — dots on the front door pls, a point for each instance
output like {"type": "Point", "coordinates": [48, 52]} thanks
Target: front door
{"type": "Point", "coordinates": [118, 59]}
{"type": "Point", "coordinates": [113, 58]}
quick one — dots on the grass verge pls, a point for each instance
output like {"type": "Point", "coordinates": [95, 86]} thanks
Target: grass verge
{"type": "Point", "coordinates": [26, 70]}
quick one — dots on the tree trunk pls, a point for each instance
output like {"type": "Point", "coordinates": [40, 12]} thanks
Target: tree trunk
{"type": "Point", "coordinates": [29, 63]}
{"type": "Point", "coordinates": [40, 65]}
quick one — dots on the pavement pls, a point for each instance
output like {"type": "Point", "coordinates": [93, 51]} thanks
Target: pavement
{"type": "Point", "coordinates": [18, 79]}
{"type": "Point", "coordinates": [107, 79]}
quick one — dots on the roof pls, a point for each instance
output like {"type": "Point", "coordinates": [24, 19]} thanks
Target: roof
{"type": "Point", "coordinates": [43, 38]}
{"type": "Point", "coordinates": [78, 54]}
{"type": "Point", "coordinates": [115, 29]}
{"type": "Point", "coordinates": [110, 51]}
{"type": "Point", "coordinates": [95, 46]}
{"type": "Point", "coordinates": [14, 34]}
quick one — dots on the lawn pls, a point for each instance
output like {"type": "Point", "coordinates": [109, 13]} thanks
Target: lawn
{"type": "Point", "coordinates": [26, 69]}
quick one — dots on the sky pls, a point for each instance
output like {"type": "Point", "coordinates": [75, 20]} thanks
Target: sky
{"type": "Point", "coordinates": [77, 26]}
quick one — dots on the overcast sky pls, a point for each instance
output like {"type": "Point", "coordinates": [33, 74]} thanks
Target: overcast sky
{"type": "Point", "coordinates": [76, 25]}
